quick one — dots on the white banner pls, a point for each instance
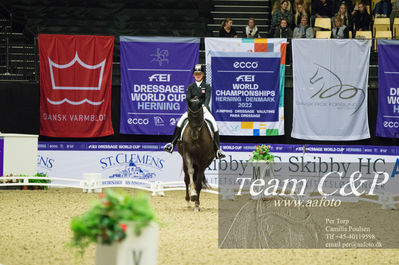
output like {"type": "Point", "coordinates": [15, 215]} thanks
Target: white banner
{"type": "Point", "coordinates": [147, 161]}
{"type": "Point", "coordinates": [330, 89]}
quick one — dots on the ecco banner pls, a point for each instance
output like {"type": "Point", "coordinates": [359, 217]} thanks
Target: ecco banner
{"type": "Point", "coordinates": [75, 85]}
{"type": "Point", "coordinates": [245, 88]}
{"type": "Point", "coordinates": [388, 88]}
{"type": "Point", "coordinates": [249, 92]}
{"type": "Point", "coordinates": [330, 89]}
{"type": "Point", "coordinates": [155, 72]}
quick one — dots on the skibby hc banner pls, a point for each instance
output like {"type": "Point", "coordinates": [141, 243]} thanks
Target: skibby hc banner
{"type": "Point", "coordinates": [75, 85]}
{"type": "Point", "coordinates": [155, 72]}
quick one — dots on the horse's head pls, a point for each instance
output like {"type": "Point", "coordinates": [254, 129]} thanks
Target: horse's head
{"type": "Point", "coordinates": [195, 116]}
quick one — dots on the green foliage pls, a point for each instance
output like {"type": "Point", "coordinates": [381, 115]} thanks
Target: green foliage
{"type": "Point", "coordinates": [262, 153]}
{"type": "Point", "coordinates": [41, 180]}
{"type": "Point", "coordinates": [106, 221]}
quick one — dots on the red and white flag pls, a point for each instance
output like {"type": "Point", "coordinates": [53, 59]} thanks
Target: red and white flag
{"type": "Point", "coordinates": [75, 85]}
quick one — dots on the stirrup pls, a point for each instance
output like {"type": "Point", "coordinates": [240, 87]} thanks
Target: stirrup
{"type": "Point", "coordinates": [168, 147]}
{"type": "Point", "coordinates": [220, 154]}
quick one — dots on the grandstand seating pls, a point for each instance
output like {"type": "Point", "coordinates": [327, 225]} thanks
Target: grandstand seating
{"type": "Point", "coordinates": [323, 34]}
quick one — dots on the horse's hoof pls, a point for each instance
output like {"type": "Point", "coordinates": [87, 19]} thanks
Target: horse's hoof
{"type": "Point", "coordinates": [193, 198]}
{"type": "Point", "coordinates": [196, 209]}
{"type": "Point", "coordinates": [188, 204]}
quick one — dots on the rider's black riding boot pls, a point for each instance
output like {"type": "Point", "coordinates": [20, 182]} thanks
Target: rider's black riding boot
{"type": "Point", "coordinates": [176, 135]}
{"type": "Point", "coordinates": [216, 142]}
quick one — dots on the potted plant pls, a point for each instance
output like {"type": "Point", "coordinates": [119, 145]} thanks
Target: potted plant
{"type": "Point", "coordinates": [124, 228]}
{"type": "Point", "coordinates": [262, 162]}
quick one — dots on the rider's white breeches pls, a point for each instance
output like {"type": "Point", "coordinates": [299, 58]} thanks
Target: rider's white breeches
{"type": "Point", "coordinates": [207, 116]}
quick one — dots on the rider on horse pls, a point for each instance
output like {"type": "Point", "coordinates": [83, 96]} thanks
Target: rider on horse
{"type": "Point", "coordinates": [203, 91]}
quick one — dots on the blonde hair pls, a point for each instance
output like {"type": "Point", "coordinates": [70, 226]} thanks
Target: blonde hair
{"type": "Point", "coordinates": [225, 21]}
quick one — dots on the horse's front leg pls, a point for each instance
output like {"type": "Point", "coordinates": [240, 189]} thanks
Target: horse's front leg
{"type": "Point", "coordinates": [187, 182]}
{"type": "Point", "coordinates": [190, 171]}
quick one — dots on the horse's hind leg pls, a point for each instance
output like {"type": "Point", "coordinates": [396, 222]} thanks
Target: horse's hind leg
{"type": "Point", "coordinates": [187, 181]}
{"type": "Point", "coordinates": [197, 201]}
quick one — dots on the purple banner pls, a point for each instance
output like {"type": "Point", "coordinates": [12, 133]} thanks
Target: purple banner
{"type": "Point", "coordinates": [1, 157]}
{"type": "Point", "coordinates": [246, 88]}
{"type": "Point", "coordinates": [388, 88]}
{"type": "Point", "coordinates": [155, 72]}
{"type": "Point", "coordinates": [229, 147]}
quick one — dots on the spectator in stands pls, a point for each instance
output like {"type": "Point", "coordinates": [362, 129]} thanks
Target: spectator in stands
{"type": "Point", "coordinates": [340, 31]}
{"type": "Point", "coordinates": [227, 29]}
{"type": "Point", "coordinates": [321, 8]}
{"type": "Point", "coordinates": [251, 30]}
{"type": "Point", "coordinates": [355, 5]}
{"type": "Point", "coordinates": [299, 14]}
{"type": "Point", "coordinates": [395, 12]}
{"type": "Point", "coordinates": [345, 17]}
{"type": "Point", "coordinates": [282, 13]}
{"type": "Point", "coordinates": [305, 6]}
{"type": "Point", "coordinates": [283, 30]}
{"type": "Point", "coordinates": [361, 18]}
{"type": "Point", "coordinates": [383, 8]}
{"type": "Point", "coordinates": [303, 30]}
{"type": "Point", "coordinates": [277, 6]}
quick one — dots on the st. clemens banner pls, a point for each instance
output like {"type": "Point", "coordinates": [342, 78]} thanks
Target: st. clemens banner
{"type": "Point", "coordinates": [388, 88]}
{"type": "Point", "coordinates": [75, 85]}
{"type": "Point", "coordinates": [155, 72]}
{"type": "Point", "coordinates": [330, 89]}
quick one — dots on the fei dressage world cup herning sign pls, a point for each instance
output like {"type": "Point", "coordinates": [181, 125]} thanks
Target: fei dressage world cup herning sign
{"type": "Point", "coordinates": [155, 72]}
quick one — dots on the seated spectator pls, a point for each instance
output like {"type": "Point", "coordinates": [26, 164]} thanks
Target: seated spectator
{"type": "Point", "coordinates": [345, 17]}
{"type": "Point", "coordinates": [395, 12]}
{"type": "Point", "coordinates": [282, 13]}
{"type": "Point", "coordinates": [355, 5]}
{"type": "Point", "coordinates": [227, 29]}
{"type": "Point", "coordinates": [383, 8]}
{"type": "Point", "coordinates": [283, 30]}
{"type": "Point", "coordinates": [361, 18]}
{"type": "Point", "coordinates": [299, 14]}
{"type": "Point", "coordinates": [251, 31]}
{"type": "Point", "coordinates": [339, 31]}
{"type": "Point", "coordinates": [305, 6]}
{"type": "Point", "coordinates": [303, 30]}
{"type": "Point", "coordinates": [277, 6]}
{"type": "Point", "coordinates": [348, 4]}
{"type": "Point", "coordinates": [321, 8]}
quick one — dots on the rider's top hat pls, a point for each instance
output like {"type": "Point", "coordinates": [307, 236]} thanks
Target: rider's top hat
{"type": "Point", "coordinates": [198, 69]}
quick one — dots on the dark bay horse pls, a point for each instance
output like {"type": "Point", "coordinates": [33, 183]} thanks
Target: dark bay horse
{"type": "Point", "coordinates": [197, 151]}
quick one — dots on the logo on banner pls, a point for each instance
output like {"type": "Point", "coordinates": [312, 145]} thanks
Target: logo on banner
{"type": "Point", "coordinates": [160, 56]}
{"type": "Point", "coordinates": [336, 89]}
{"type": "Point", "coordinates": [158, 121]}
{"type": "Point", "coordinates": [245, 78]}
{"type": "Point", "coordinates": [129, 165]}
{"type": "Point", "coordinates": [60, 78]}
{"type": "Point", "coordinates": [160, 78]}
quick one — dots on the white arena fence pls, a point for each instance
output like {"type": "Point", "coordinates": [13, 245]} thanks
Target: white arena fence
{"type": "Point", "coordinates": [92, 182]}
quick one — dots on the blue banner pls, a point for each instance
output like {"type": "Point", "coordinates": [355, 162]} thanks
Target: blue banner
{"type": "Point", "coordinates": [246, 87]}
{"type": "Point", "coordinates": [155, 72]}
{"type": "Point", "coordinates": [1, 157]}
{"type": "Point", "coordinates": [388, 88]}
